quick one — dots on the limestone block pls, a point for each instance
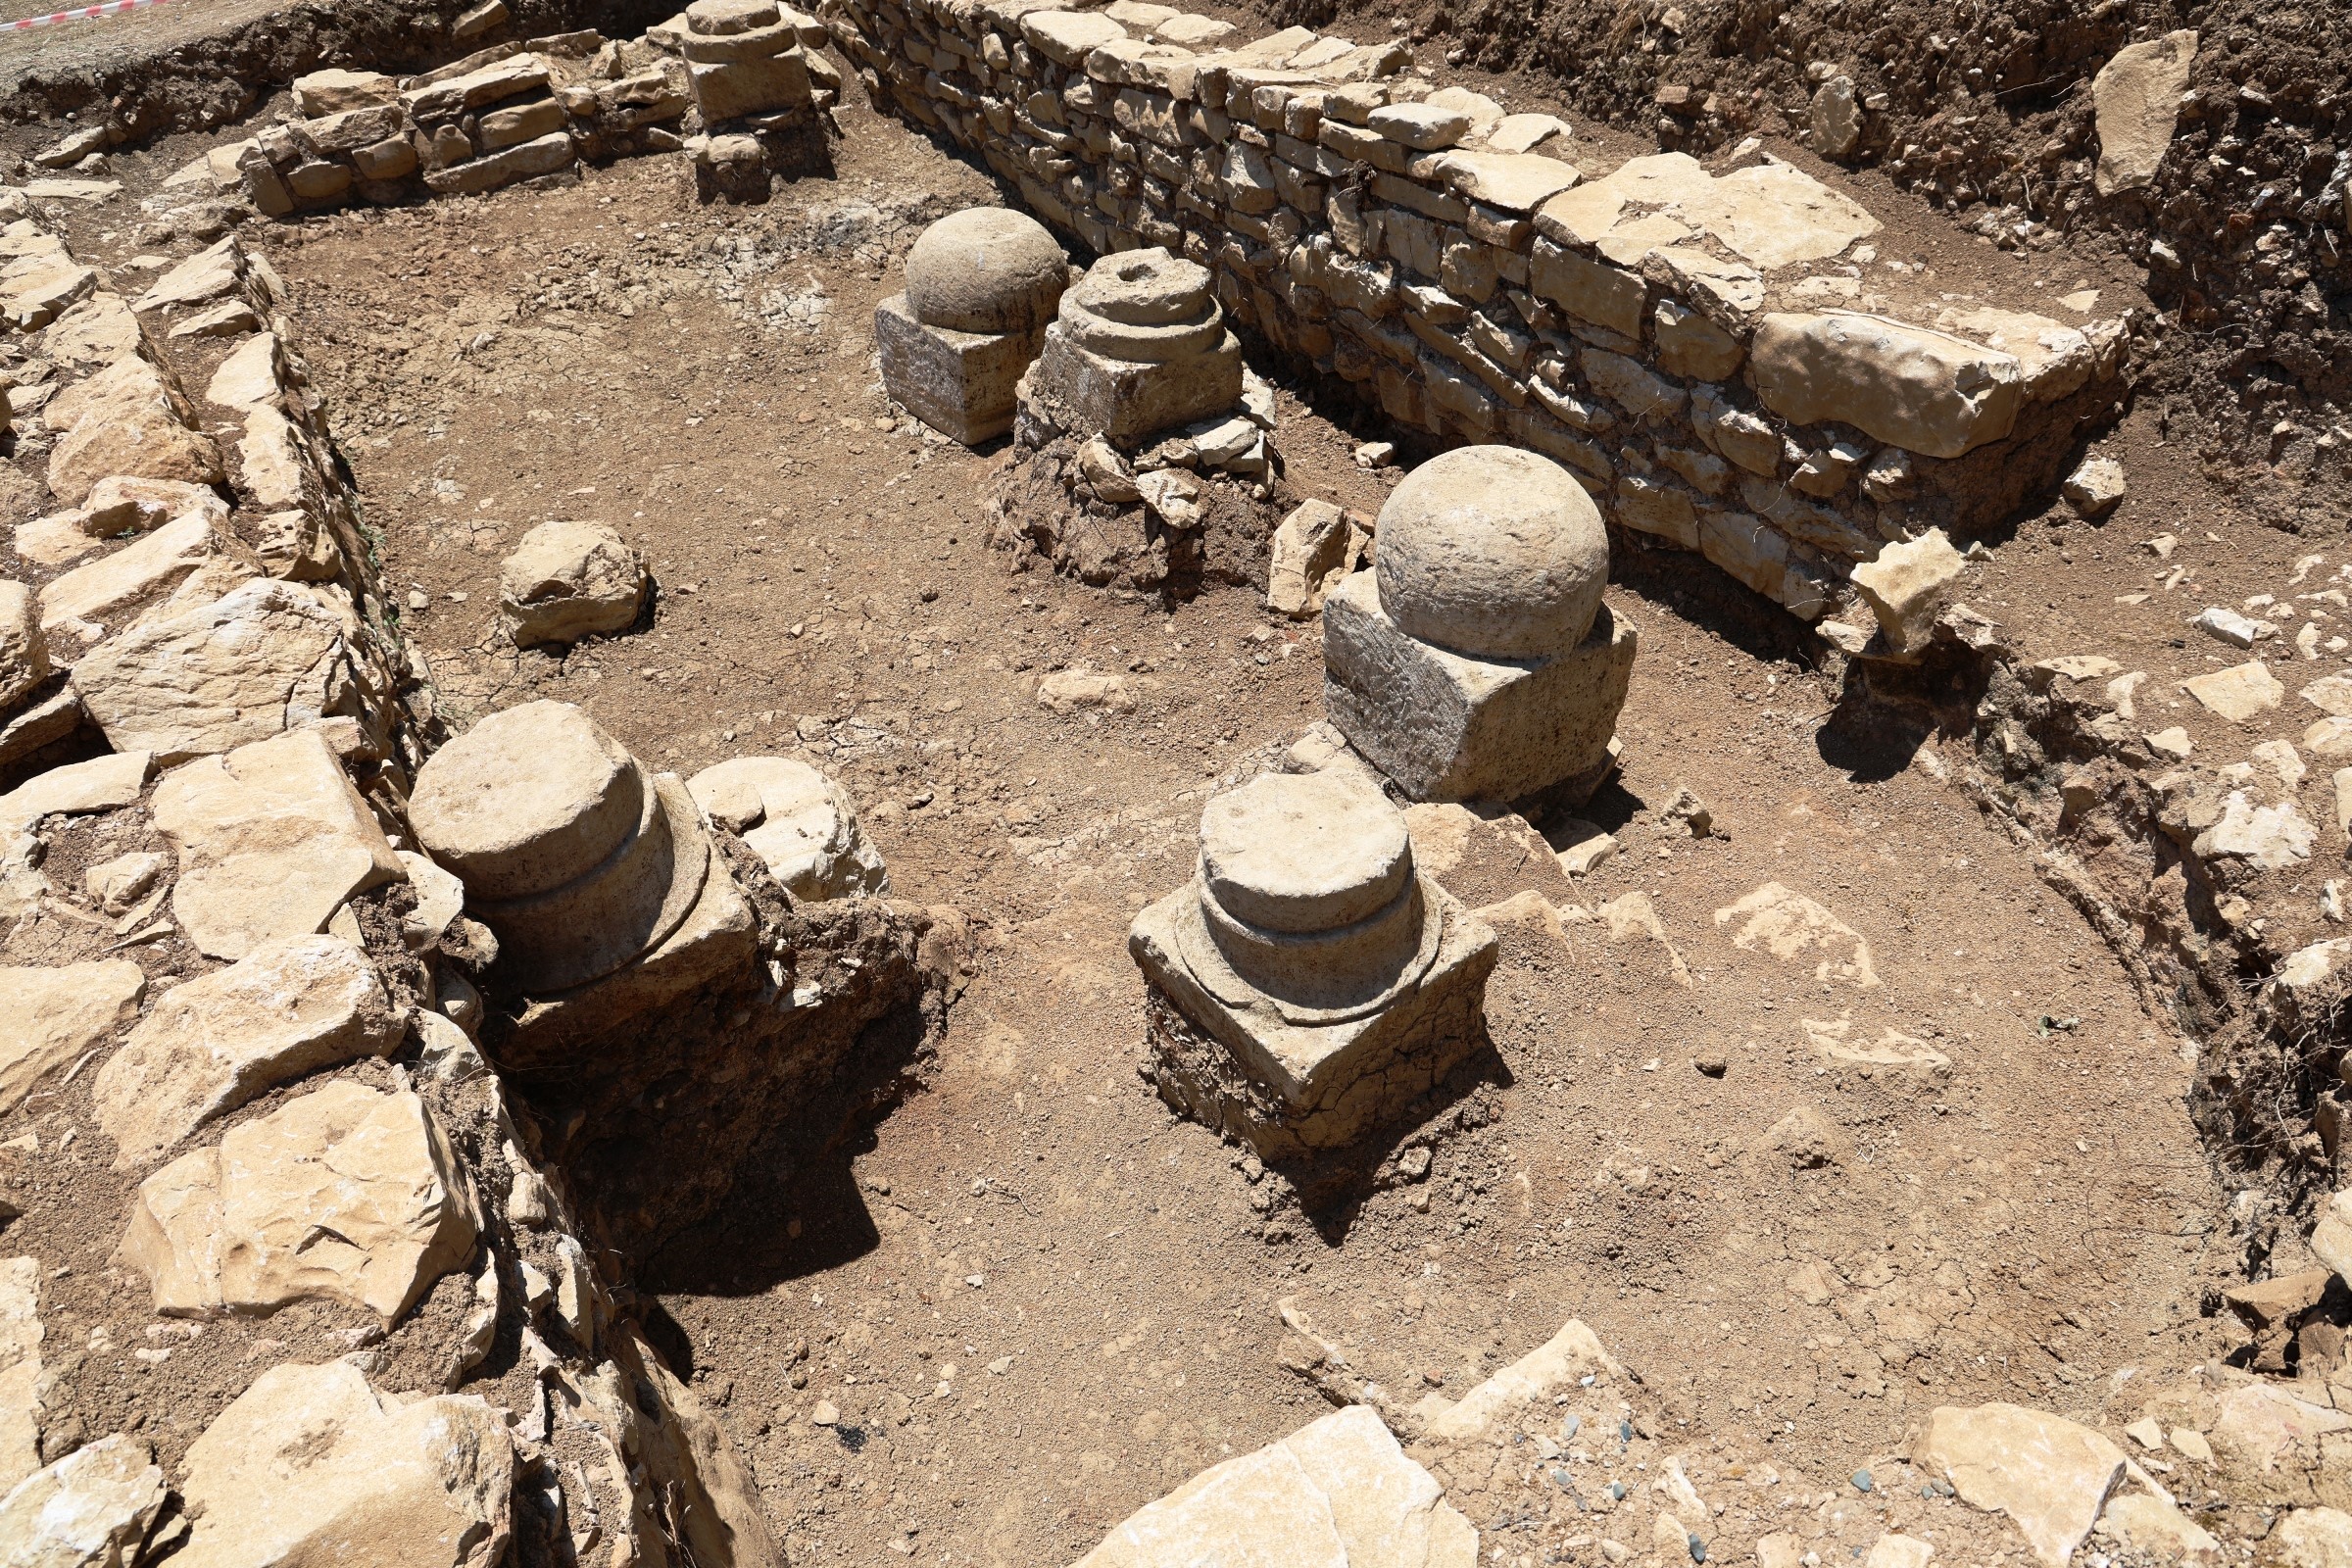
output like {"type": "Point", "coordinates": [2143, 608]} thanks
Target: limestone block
{"type": "Point", "coordinates": [140, 570]}
{"type": "Point", "coordinates": [1129, 398]}
{"type": "Point", "coordinates": [2049, 1475]}
{"type": "Point", "coordinates": [217, 270]}
{"type": "Point", "coordinates": [1555, 1367]}
{"type": "Point", "coordinates": [800, 821]}
{"type": "Point", "coordinates": [1067, 37]}
{"type": "Point", "coordinates": [24, 646]}
{"type": "Point", "coordinates": [501, 80]}
{"type": "Point", "coordinates": [211, 1043]}
{"type": "Point", "coordinates": [2095, 487]}
{"type": "Point", "coordinates": [1924, 391]}
{"type": "Point", "coordinates": [518, 122]}
{"type": "Point", "coordinates": [1775, 214]}
{"type": "Point", "coordinates": [567, 580]}
{"type": "Point", "coordinates": [36, 289]}
{"type": "Point", "coordinates": [249, 376]}
{"type": "Point", "coordinates": [25, 1382]}
{"type": "Point", "coordinates": [1423, 126]}
{"type": "Point", "coordinates": [1517, 183]}
{"type": "Point", "coordinates": [1593, 291]}
{"type": "Point", "coordinates": [1314, 547]}
{"type": "Point", "coordinates": [394, 158]}
{"type": "Point", "coordinates": [263, 658]}
{"type": "Point", "coordinates": [99, 330]}
{"type": "Point", "coordinates": [986, 270]}
{"type": "Point", "coordinates": [961, 384]}
{"type": "Point", "coordinates": [51, 1019]}
{"type": "Point", "coordinates": [272, 839]}
{"type": "Point", "coordinates": [126, 423]}
{"type": "Point", "coordinates": [91, 1509]}
{"type": "Point", "coordinates": [544, 156]}
{"type": "Point", "coordinates": [1690, 345]}
{"type": "Point", "coordinates": [310, 1465]}
{"type": "Point", "coordinates": [344, 1193]}
{"type": "Point", "coordinates": [337, 91]}
{"type": "Point", "coordinates": [1335, 1493]}
{"type": "Point", "coordinates": [2136, 99]}
{"type": "Point", "coordinates": [1449, 726]}
{"type": "Point", "coordinates": [752, 86]}
{"type": "Point", "coordinates": [270, 470]}
{"type": "Point", "coordinates": [350, 130]}
{"type": "Point", "coordinates": [1835, 118]}
{"type": "Point", "coordinates": [100, 784]}
{"type": "Point", "coordinates": [1493, 552]}
{"type": "Point", "coordinates": [1908, 586]}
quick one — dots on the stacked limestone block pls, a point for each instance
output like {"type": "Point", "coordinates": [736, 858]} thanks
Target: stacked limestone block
{"type": "Point", "coordinates": [231, 979]}
{"type": "Point", "coordinates": [1476, 660]}
{"type": "Point", "coordinates": [513, 112]}
{"type": "Point", "coordinates": [1310, 984]}
{"type": "Point", "coordinates": [1138, 430]}
{"type": "Point", "coordinates": [755, 94]}
{"type": "Point", "coordinates": [981, 286]}
{"type": "Point", "coordinates": [1710, 351]}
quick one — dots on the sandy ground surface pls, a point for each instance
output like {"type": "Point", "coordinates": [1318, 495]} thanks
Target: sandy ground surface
{"type": "Point", "coordinates": [1037, 1299]}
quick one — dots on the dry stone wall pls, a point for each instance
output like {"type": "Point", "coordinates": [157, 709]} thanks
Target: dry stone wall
{"type": "Point", "coordinates": [258, 1054]}
{"type": "Point", "coordinates": [1697, 346]}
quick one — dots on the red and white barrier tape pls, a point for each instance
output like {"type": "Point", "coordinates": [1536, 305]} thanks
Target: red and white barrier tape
{"type": "Point", "coordinates": [78, 14]}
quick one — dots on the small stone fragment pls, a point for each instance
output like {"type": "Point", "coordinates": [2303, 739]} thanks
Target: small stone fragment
{"type": "Point", "coordinates": [567, 580]}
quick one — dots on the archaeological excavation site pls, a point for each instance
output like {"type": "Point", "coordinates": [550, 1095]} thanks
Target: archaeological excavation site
{"type": "Point", "coordinates": [1069, 784]}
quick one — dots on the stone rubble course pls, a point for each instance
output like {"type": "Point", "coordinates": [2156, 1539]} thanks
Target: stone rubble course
{"type": "Point", "coordinates": [312, 1465]}
{"type": "Point", "coordinates": [289, 1008]}
{"type": "Point", "coordinates": [800, 821]}
{"type": "Point", "coordinates": [343, 1194]}
{"type": "Point", "coordinates": [1679, 338]}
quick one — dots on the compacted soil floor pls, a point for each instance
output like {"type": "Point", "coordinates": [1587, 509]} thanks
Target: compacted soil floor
{"type": "Point", "coordinates": [1032, 1297]}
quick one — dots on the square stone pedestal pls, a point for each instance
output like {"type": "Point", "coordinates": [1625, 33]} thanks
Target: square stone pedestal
{"type": "Point", "coordinates": [958, 383]}
{"type": "Point", "coordinates": [1448, 727]}
{"type": "Point", "coordinates": [1292, 1090]}
{"type": "Point", "coordinates": [1129, 398]}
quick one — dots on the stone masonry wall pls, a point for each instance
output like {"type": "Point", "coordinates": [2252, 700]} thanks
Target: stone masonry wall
{"type": "Point", "coordinates": [1698, 347]}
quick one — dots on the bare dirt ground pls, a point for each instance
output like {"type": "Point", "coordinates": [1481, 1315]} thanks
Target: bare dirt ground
{"type": "Point", "coordinates": [1034, 1298]}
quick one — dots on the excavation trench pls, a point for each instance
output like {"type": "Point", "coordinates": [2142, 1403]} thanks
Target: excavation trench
{"type": "Point", "coordinates": [954, 1278]}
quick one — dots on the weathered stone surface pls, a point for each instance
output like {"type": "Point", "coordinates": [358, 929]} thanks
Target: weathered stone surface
{"type": "Point", "coordinates": [567, 580]}
{"type": "Point", "coordinates": [1140, 344]}
{"type": "Point", "coordinates": [2137, 100]}
{"type": "Point", "coordinates": [24, 646]}
{"type": "Point", "coordinates": [1312, 549]}
{"type": "Point", "coordinates": [2313, 1538]}
{"type": "Point", "coordinates": [1517, 183]}
{"type": "Point", "coordinates": [1449, 726]}
{"type": "Point", "coordinates": [203, 277]}
{"type": "Point", "coordinates": [310, 1465]}
{"type": "Point", "coordinates": [1333, 1493]}
{"type": "Point", "coordinates": [1835, 118]}
{"type": "Point", "coordinates": [755, 85]}
{"type": "Point", "coordinates": [272, 839]}
{"type": "Point", "coordinates": [2095, 487]}
{"type": "Point", "coordinates": [1924, 391]}
{"type": "Point", "coordinates": [1492, 553]}
{"type": "Point", "coordinates": [1908, 586]}
{"type": "Point", "coordinates": [802, 823]}
{"type": "Point", "coordinates": [1554, 1368]}
{"type": "Point", "coordinates": [526, 800]}
{"type": "Point", "coordinates": [1067, 37]}
{"type": "Point", "coordinates": [501, 80]}
{"type": "Point", "coordinates": [125, 422]}
{"type": "Point", "coordinates": [961, 384]}
{"type": "Point", "coordinates": [2050, 1476]}
{"type": "Point", "coordinates": [2238, 693]}
{"type": "Point", "coordinates": [23, 1380]}
{"type": "Point", "coordinates": [101, 784]}
{"type": "Point", "coordinates": [344, 1193]}
{"type": "Point", "coordinates": [543, 156]}
{"type": "Point", "coordinates": [337, 91]}
{"type": "Point", "coordinates": [144, 569]}
{"type": "Point", "coordinates": [263, 658]}
{"type": "Point", "coordinates": [1790, 926]}
{"type": "Point", "coordinates": [213, 1042]}
{"type": "Point", "coordinates": [51, 1019]}
{"type": "Point", "coordinates": [91, 1509]}
{"type": "Point", "coordinates": [986, 270]}
{"type": "Point", "coordinates": [1776, 214]}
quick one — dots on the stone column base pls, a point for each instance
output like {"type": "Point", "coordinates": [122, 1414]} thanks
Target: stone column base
{"type": "Point", "coordinates": [958, 383]}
